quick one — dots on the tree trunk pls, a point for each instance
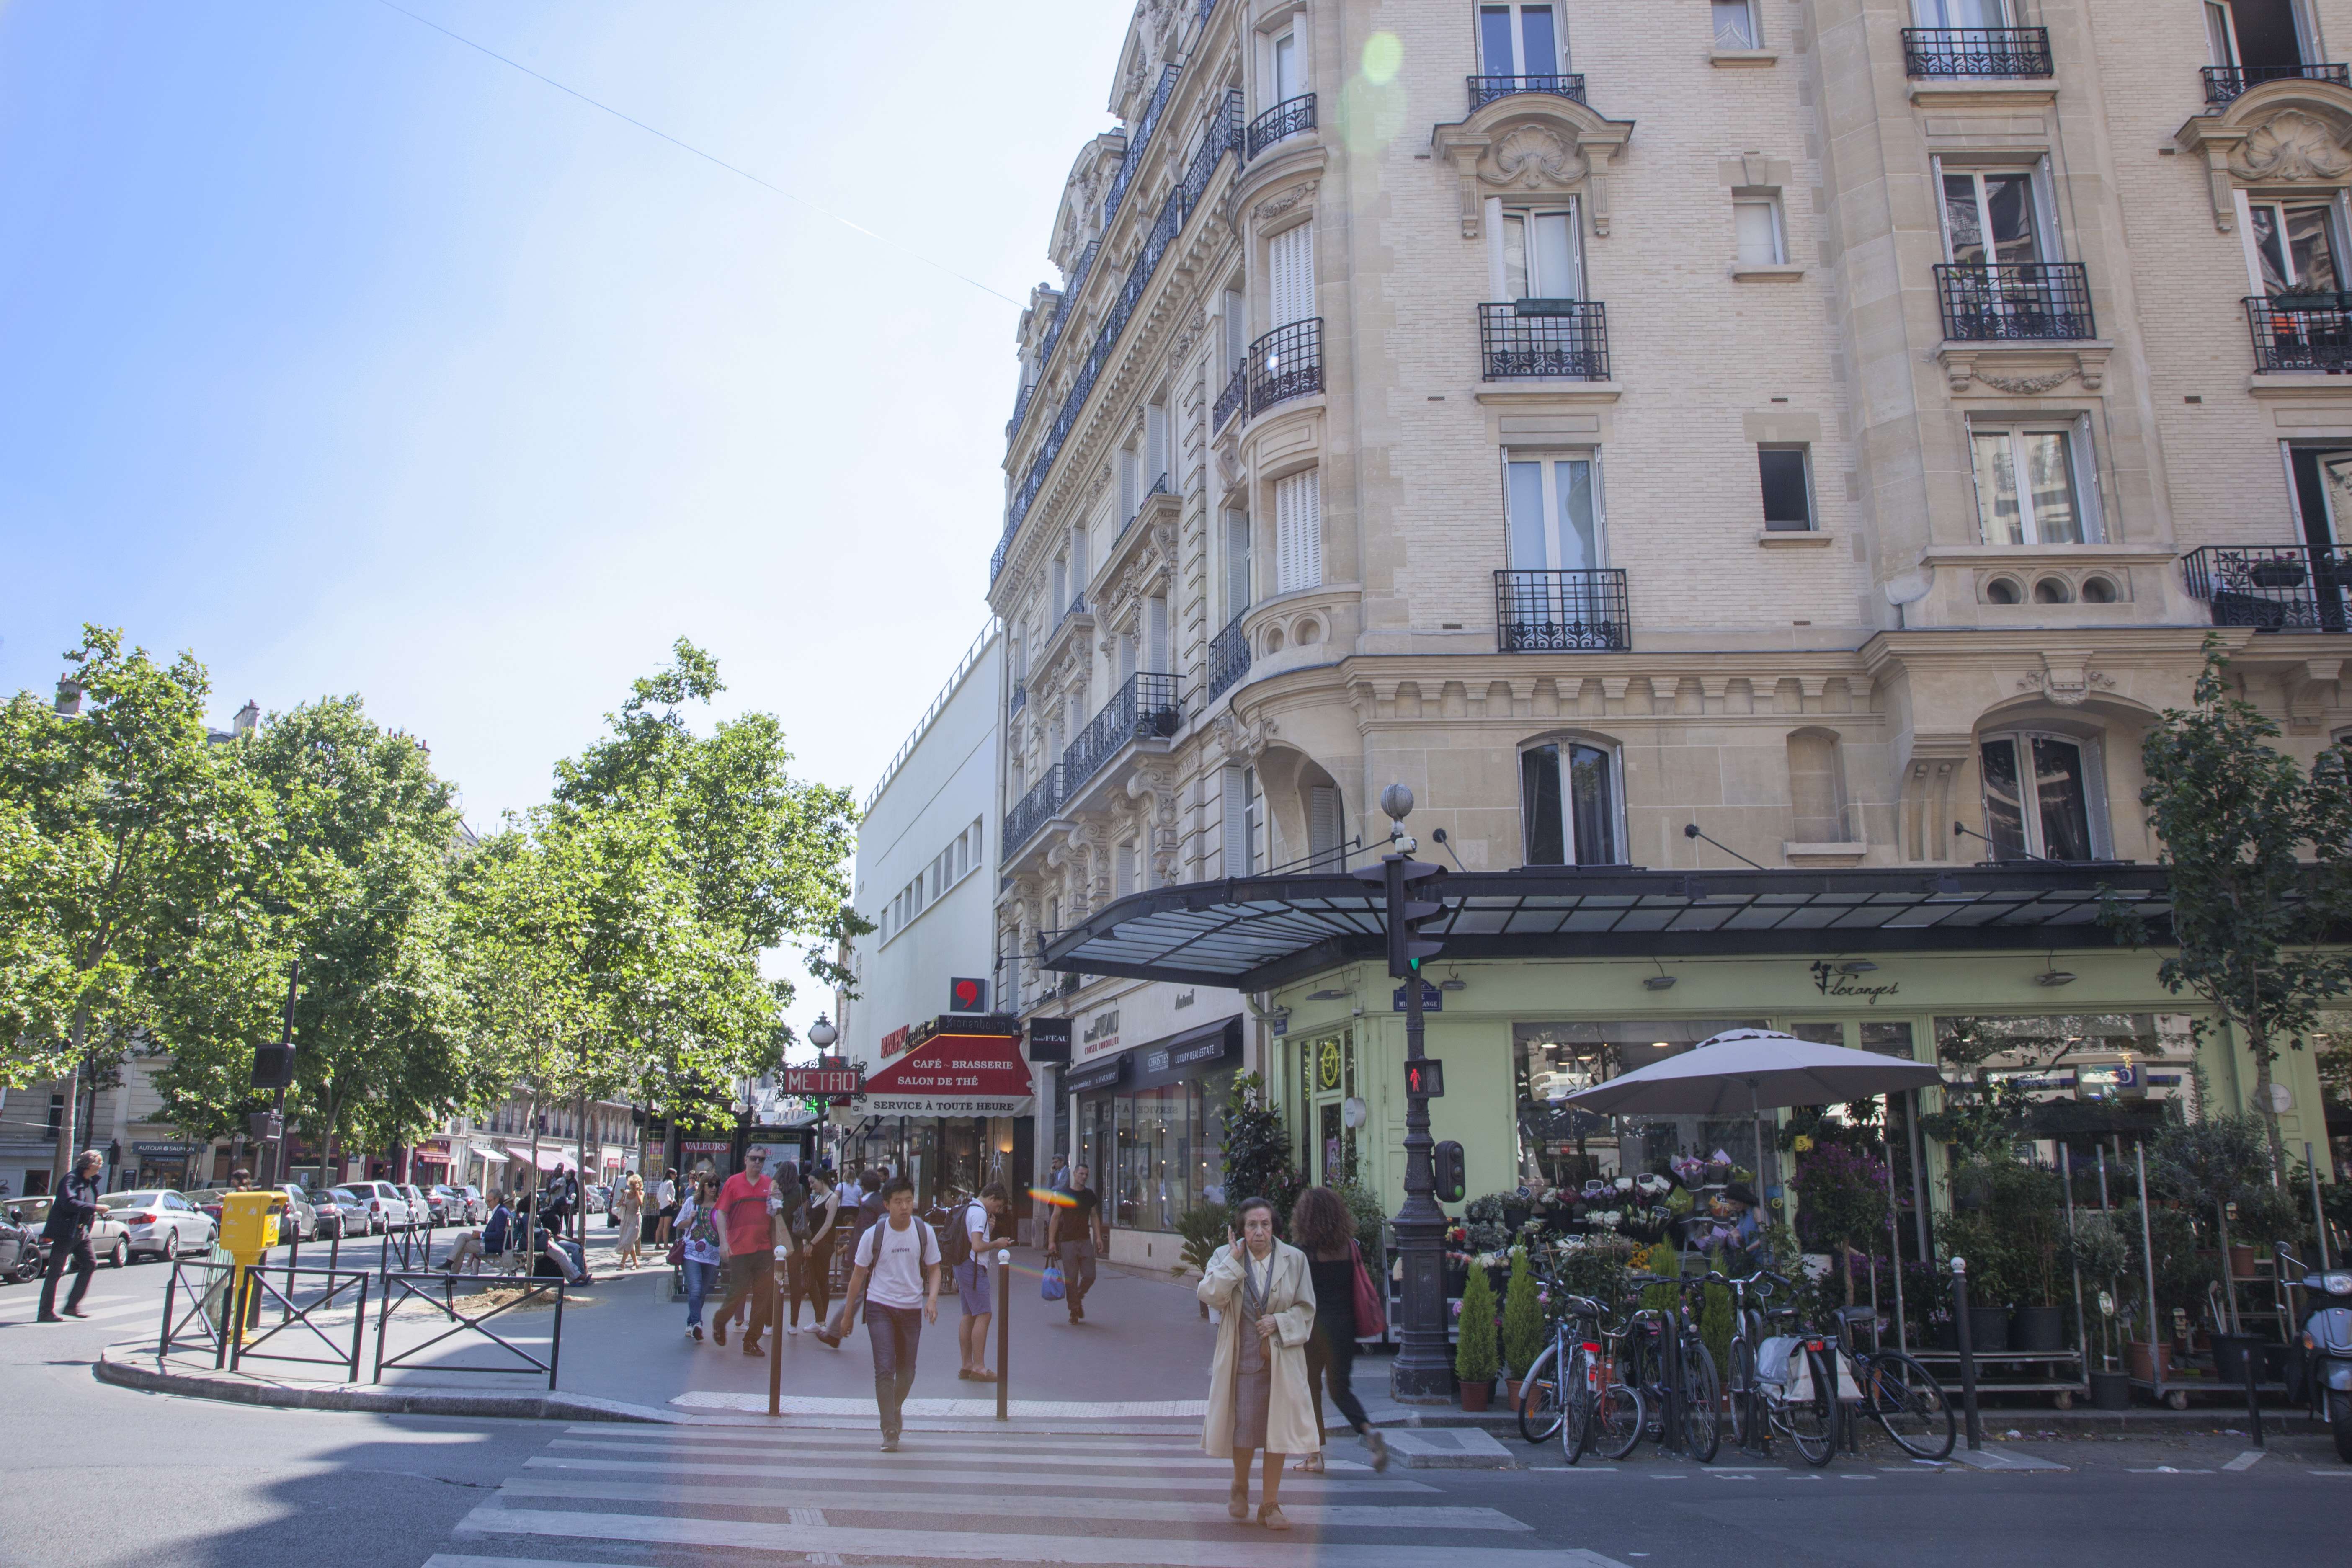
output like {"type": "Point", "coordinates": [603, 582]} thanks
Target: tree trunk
{"type": "Point", "coordinates": [2258, 1042]}
{"type": "Point", "coordinates": [2229, 1286]}
{"type": "Point", "coordinates": [61, 1161]}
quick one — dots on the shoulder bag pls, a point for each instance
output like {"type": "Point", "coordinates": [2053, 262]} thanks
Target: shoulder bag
{"type": "Point", "coordinates": [1372, 1305]}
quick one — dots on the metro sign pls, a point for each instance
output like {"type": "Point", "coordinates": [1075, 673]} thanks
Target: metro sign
{"type": "Point", "coordinates": [821, 1081]}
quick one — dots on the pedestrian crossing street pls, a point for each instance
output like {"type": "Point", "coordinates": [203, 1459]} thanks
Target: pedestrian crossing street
{"type": "Point", "coordinates": [608, 1495]}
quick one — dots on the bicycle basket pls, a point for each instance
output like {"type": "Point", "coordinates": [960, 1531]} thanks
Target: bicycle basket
{"type": "Point", "coordinates": [1780, 1363]}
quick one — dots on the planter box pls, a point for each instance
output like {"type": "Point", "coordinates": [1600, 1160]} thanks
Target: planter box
{"type": "Point", "coordinates": [2111, 1390]}
{"type": "Point", "coordinates": [1987, 1330]}
{"type": "Point", "coordinates": [2138, 1363]}
{"type": "Point", "coordinates": [2038, 1329]}
{"type": "Point", "coordinates": [1474, 1395]}
{"type": "Point", "coordinates": [2242, 1262]}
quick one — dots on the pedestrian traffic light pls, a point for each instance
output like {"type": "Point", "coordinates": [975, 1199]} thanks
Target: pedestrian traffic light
{"type": "Point", "coordinates": [1414, 904]}
{"type": "Point", "coordinates": [1451, 1183]}
{"type": "Point", "coordinates": [1425, 1076]}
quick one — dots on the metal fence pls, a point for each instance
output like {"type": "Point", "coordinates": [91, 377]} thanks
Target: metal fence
{"type": "Point", "coordinates": [2272, 587]}
{"type": "Point", "coordinates": [2223, 83]}
{"type": "Point", "coordinates": [1562, 612]}
{"type": "Point", "coordinates": [2309, 332]}
{"type": "Point", "coordinates": [1287, 363]}
{"type": "Point", "coordinates": [1285, 120]}
{"type": "Point", "coordinates": [1563, 338]}
{"type": "Point", "coordinates": [1147, 707]}
{"type": "Point", "coordinates": [2012, 301]}
{"type": "Point", "coordinates": [1975, 51]}
{"type": "Point", "coordinates": [439, 1291]}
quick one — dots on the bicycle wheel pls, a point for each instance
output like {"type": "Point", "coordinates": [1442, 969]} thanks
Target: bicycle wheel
{"type": "Point", "coordinates": [1702, 1403]}
{"type": "Point", "coordinates": [1743, 1383]}
{"type": "Point", "coordinates": [1811, 1422]}
{"type": "Point", "coordinates": [1909, 1403]}
{"type": "Point", "coordinates": [1539, 1402]}
{"type": "Point", "coordinates": [1617, 1423]}
{"type": "Point", "coordinates": [1577, 1399]}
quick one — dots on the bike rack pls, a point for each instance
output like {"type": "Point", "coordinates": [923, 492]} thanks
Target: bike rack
{"type": "Point", "coordinates": [445, 1301]}
{"type": "Point", "coordinates": [337, 1281]}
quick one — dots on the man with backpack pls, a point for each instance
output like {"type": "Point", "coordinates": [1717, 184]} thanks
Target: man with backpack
{"type": "Point", "coordinates": [966, 1250]}
{"type": "Point", "coordinates": [898, 1282]}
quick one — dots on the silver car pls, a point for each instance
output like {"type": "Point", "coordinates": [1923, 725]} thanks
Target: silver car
{"type": "Point", "coordinates": [387, 1206]}
{"type": "Point", "coordinates": [301, 1221]}
{"type": "Point", "coordinates": [161, 1223]}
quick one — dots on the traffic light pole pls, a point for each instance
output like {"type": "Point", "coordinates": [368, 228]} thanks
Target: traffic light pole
{"type": "Point", "coordinates": [1424, 1373]}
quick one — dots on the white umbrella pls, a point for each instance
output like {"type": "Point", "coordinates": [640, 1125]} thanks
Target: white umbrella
{"type": "Point", "coordinates": [1748, 1069]}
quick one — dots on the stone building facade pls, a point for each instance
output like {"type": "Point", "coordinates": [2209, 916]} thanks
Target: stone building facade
{"type": "Point", "coordinates": [1832, 424]}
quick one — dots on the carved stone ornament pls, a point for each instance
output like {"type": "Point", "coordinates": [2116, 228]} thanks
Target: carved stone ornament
{"type": "Point", "coordinates": [2291, 145]}
{"type": "Point", "coordinates": [1274, 207]}
{"type": "Point", "coordinates": [2025, 385]}
{"type": "Point", "coordinates": [2067, 684]}
{"type": "Point", "coordinates": [1243, 741]}
{"type": "Point", "coordinates": [1533, 157]}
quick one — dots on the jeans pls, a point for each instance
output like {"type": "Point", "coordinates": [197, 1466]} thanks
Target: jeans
{"type": "Point", "coordinates": [894, 1332]}
{"type": "Point", "coordinates": [1077, 1270]}
{"type": "Point", "coordinates": [812, 1276]}
{"type": "Point", "coordinates": [699, 1279]}
{"type": "Point", "coordinates": [751, 1274]}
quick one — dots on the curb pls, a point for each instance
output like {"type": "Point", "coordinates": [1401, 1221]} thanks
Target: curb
{"type": "Point", "coordinates": [239, 1389]}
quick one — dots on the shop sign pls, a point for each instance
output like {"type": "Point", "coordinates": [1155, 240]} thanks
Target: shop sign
{"type": "Point", "coordinates": [1432, 1000]}
{"type": "Point", "coordinates": [2035, 1079]}
{"type": "Point", "coordinates": [946, 1105]}
{"type": "Point", "coordinates": [165, 1151]}
{"type": "Point", "coordinates": [821, 1081]}
{"type": "Point", "coordinates": [1100, 1037]}
{"type": "Point", "coordinates": [1049, 1040]}
{"type": "Point", "coordinates": [1188, 1055]}
{"type": "Point", "coordinates": [954, 1066]}
{"type": "Point", "coordinates": [706, 1146]}
{"type": "Point", "coordinates": [1327, 1064]}
{"type": "Point", "coordinates": [1830, 983]}
{"type": "Point", "coordinates": [896, 1040]}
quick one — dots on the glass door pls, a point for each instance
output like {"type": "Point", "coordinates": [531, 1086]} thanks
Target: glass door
{"type": "Point", "coordinates": [1555, 514]}
{"type": "Point", "coordinates": [1542, 256]}
{"type": "Point", "coordinates": [1519, 41]}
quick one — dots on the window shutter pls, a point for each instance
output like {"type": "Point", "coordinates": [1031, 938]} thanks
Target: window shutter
{"type": "Point", "coordinates": [1155, 636]}
{"type": "Point", "coordinates": [1155, 442]}
{"type": "Point", "coordinates": [2045, 212]}
{"type": "Point", "coordinates": [1129, 489]}
{"type": "Point", "coordinates": [1292, 257]}
{"type": "Point", "coordinates": [1236, 329]}
{"type": "Point", "coordinates": [1236, 831]}
{"type": "Point", "coordinates": [1238, 563]}
{"type": "Point", "coordinates": [2087, 469]}
{"type": "Point", "coordinates": [1943, 215]}
{"type": "Point", "coordinates": [1125, 870]}
{"type": "Point", "coordinates": [1323, 822]}
{"type": "Point", "coordinates": [1298, 532]}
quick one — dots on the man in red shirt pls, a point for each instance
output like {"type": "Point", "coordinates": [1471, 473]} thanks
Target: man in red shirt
{"type": "Point", "coordinates": [743, 1208]}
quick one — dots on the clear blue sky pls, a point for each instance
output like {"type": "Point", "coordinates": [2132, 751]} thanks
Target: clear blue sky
{"type": "Point", "coordinates": [356, 361]}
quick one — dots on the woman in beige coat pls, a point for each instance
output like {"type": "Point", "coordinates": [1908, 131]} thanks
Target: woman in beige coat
{"type": "Point", "coordinates": [1257, 1384]}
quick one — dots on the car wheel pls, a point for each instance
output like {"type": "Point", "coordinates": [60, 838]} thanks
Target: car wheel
{"type": "Point", "coordinates": [121, 1257]}
{"type": "Point", "coordinates": [171, 1246]}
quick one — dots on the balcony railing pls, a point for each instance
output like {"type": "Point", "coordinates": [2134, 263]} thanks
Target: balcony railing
{"type": "Point", "coordinates": [1223, 129]}
{"type": "Point", "coordinates": [1031, 812]}
{"type": "Point", "coordinates": [1287, 363]}
{"type": "Point", "coordinates": [2029, 300]}
{"type": "Point", "coordinates": [1975, 51]}
{"type": "Point", "coordinates": [1286, 119]}
{"type": "Point", "coordinates": [1562, 612]}
{"type": "Point", "coordinates": [1485, 89]}
{"type": "Point", "coordinates": [1236, 392]}
{"type": "Point", "coordinates": [2223, 83]}
{"type": "Point", "coordinates": [2302, 332]}
{"type": "Point", "coordinates": [1229, 658]}
{"type": "Point", "coordinates": [1019, 700]}
{"type": "Point", "coordinates": [1139, 143]}
{"type": "Point", "coordinates": [2272, 587]}
{"type": "Point", "coordinates": [1161, 486]}
{"type": "Point", "coordinates": [1564, 338]}
{"type": "Point", "coordinates": [1147, 708]}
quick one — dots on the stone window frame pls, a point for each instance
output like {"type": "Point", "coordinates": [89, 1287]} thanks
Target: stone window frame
{"type": "Point", "coordinates": [1615, 750]}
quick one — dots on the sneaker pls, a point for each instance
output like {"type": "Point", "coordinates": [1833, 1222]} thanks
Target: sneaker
{"type": "Point", "coordinates": [828, 1338]}
{"type": "Point", "coordinates": [696, 1332]}
{"type": "Point", "coordinates": [1077, 1312]}
{"type": "Point", "coordinates": [1379, 1445]}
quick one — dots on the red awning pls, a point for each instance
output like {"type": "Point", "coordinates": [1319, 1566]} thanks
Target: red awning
{"type": "Point", "coordinates": [550, 1154]}
{"type": "Point", "coordinates": [953, 1075]}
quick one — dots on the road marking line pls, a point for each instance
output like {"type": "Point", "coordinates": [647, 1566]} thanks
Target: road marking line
{"type": "Point", "coordinates": [832, 1454]}
{"type": "Point", "coordinates": [923, 1409]}
{"type": "Point", "coordinates": [755, 1439]}
{"type": "Point", "coordinates": [1221, 1550]}
{"type": "Point", "coordinates": [957, 1475]}
{"type": "Point", "coordinates": [2245, 1461]}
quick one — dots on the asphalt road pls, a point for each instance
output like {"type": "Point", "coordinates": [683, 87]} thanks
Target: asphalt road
{"type": "Point", "coordinates": [99, 1476]}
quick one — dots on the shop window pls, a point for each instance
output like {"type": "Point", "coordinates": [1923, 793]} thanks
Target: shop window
{"type": "Point", "coordinates": [1569, 802]}
{"type": "Point", "coordinates": [2072, 1056]}
{"type": "Point", "coordinates": [1562, 1146]}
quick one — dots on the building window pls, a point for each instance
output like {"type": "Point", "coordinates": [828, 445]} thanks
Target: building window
{"type": "Point", "coordinates": [1298, 532]}
{"type": "Point", "coordinates": [1555, 515]}
{"type": "Point", "coordinates": [1735, 25]}
{"type": "Point", "coordinates": [2297, 246]}
{"type": "Point", "coordinates": [2035, 484]}
{"type": "Point", "coordinates": [1521, 40]}
{"type": "Point", "coordinates": [1991, 217]}
{"type": "Point", "coordinates": [1569, 804]}
{"type": "Point", "coordinates": [2044, 799]}
{"type": "Point", "coordinates": [1756, 223]}
{"type": "Point", "coordinates": [2322, 479]}
{"type": "Point", "coordinates": [1787, 475]}
{"type": "Point", "coordinates": [1541, 255]}
{"type": "Point", "coordinates": [1237, 565]}
{"type": "Point", "coordinates": [1240, 821]}
{"type": "Point", "coordinates": [1291, 272]}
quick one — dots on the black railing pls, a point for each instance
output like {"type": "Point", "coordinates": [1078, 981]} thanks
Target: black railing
{"type": "Point", "coordinates": [1221, 131]}
{"type": "Point", "coordinates": [1562, 612]}
{"type": "Point", "coordinates": [1147, 708]}
{"type": "Point", "coordinates": [1565, 338]}
{"type": "Point", "coordinates": [2272, 587]}
{"type": "Point", "coordinates": [1485, 89]}
{"type": "Point", "coordinates": [1229, 658]}
{"type": "Point", "coordinates": [2223, 83]}
{"type": "Point", "coordinates": [1019, 700]}
{"type": "Point", "coordinates": [2028, 299]}
{"type": "Point", "coordinates": [1034, 810]}
{"type": "Point", "coordinates": [1235, 394]}
{"type": "Point", "coordinates": [439, 1291]}
{"type": "Point", "coordinates": [1283, 119]}
{"type": "Point", "coordinates": [1975, 51]}
{"type": "Point", "coordinates": [1287, 363]}
{"type": "Point", "coordinates": [1139, 143]}
{"type": "Point", "coordinates": [2302, 332]}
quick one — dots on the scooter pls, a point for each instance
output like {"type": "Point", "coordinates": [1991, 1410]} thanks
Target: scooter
{"type": "Point", "coordinates": [2326, 1344]}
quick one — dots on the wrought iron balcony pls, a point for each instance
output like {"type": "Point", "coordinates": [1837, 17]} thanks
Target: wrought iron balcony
{"type": "Point", "coordinates": [1229, 658]}
{"type": "Point", "coordinates": [2032, 300]}
{"type": "Point", "coordinates": [2272, 587]}
{"type": "Point", "coordinates": [1562, 612]}
{"type": "Point", "coordinates": [1032, 810]}
{"type": "Point", "coordinates": [2223, 83]}
{"type": "Point", "coordinates": [1564, 338]}
{"type": "Point", "coordinates": [1975, 51]}
{"type": "Point", "coordinates": [1147, 708]}
{"type": "Point", "coordinates": [2302, 332]}
{"type": "Point", "coordinates": [1236, 392]}
{"type": "Point", "coordinates": [1485, 89]}
{"type": "Point", "coordinates": [1019, 700]}
{"type": "Point", "coordinates": [1221, 129]}
{"type": "Point", "coordinates": [1287, 363]}
{"type": "Point", "coordinates": [1285, 120]}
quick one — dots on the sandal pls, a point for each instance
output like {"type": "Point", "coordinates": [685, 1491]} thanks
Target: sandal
{"type": "Point", "coordinates": [1312, 1465]}
{"type": "Point", "coordinates": [1271, 1517]}
{"type": "Point", "coordinates": [1378, 1445]}
{"type": "Point", "coordinates": [1238, 1504]}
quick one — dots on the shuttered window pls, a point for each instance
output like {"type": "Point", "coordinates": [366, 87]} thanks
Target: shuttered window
{"type": "Point", "coordinates": [1235, 830]}
{"type": "Point", "coordinates": [1298, 532]}
{"type": "Point", "coordinates": [1291, 260]}
{"type": "Point", "coordinates": [1238, 563]}
{"type": "Point", "coordinates": [1155, 636]}
{"type": "Point", "coordinates": [1323, 826]}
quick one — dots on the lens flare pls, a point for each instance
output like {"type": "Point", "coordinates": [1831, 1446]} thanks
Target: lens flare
{"type": "Point", "coordinates": [1060, 1200]}
{"type": "Point", "coordinates": [1383, 57]}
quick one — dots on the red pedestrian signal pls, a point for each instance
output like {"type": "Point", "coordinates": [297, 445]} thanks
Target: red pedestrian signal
{"type": "Point", "coordinates": [1425, 1076]}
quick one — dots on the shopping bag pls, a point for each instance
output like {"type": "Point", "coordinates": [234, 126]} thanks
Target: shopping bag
{"type": "Point", "coordinates": [1051, 1285]}
{"type": "Point", "coordinates": [1372, 1312]}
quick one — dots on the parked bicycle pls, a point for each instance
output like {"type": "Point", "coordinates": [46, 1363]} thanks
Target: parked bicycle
{"type": "Point", "coordinates": [1780, 1383]}
{"type": "Point", "coordinates": [1900, 1394]}
{"type": "Point", "coordinates": [1573, 1390]}
{"type": "Point", "coordinates": [1669, 1367]}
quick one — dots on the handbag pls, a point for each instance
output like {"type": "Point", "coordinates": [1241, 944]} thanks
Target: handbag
{"type": "Point", "coordinates": [676, 1253]}
{"type": "Point", "coordinates": [1371, 1310]}
{"type": "Point", "coordinates": [1050, 1285]}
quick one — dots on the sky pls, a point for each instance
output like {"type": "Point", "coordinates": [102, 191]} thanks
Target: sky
{"type": "Point", "coordinates": [353, 360]}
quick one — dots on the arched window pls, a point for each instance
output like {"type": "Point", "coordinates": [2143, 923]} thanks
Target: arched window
{"type": "Point", "coordinates": [1569, 804]}
{"type": "Point", "coordinates": [1816, 788]}
{"type": "Point", "coordinates": [2045, 797]}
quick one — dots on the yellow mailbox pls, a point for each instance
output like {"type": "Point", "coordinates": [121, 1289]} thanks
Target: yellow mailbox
{"type": "Point", "coordinates": [248, 1225]}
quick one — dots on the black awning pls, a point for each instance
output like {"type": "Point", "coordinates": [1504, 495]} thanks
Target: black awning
{"type": "Point", "coordinates": [1254, 933]}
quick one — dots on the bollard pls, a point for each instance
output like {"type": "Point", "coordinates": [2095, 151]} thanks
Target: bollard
{"type": "Point", "coordinates": [1967, 1353]}
{"type": "Point", "coordinates": [776, 1339]}
{"type": "Point", "coordinates": [1003, 1332]}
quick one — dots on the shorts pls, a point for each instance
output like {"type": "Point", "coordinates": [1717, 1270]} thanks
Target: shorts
{"type": "Point", "coordinates": [975, 1291]}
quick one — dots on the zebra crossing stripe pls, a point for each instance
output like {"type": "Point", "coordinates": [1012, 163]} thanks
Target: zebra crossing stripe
{"type": "Point", "coordinates": [1226, 1549]}
{"type": "Point", "coordinates": [834, 1453]}
{"type": "Point", "coordinates": [789, 1439]}
{"type": "Point", "coordinates": [951, 1478]}
{"type": "Point", "coordinates": [802, 1500]}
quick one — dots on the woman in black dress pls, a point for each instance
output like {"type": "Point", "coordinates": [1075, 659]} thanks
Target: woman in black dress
{"type": "Point", "coordinates": [1321, 1228]}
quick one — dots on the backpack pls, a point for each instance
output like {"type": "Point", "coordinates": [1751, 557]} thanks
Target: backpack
{"type": "Point", "coordinates": [955, 1246]}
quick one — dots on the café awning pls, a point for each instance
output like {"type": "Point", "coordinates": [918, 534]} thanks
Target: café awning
{"type": "Point", "coordinates": [550, 1154]}
{"type": "Point", "coordinates": [960, 1070]}
{"type": "Point", "coordinates": [1255, 934]}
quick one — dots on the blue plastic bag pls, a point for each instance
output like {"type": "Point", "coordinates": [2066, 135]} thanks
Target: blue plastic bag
{"type": "Point", "coordinates": [1051, 1285]}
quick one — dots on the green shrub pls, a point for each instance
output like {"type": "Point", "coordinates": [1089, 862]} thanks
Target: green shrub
{"type": "Point", "coordinates": [1523, 1320]}
{"type": "Point", "coordinates": [1475, 1354]}
{"type": "Point", "coordinates": [1204, 1230]}
{"type": "Point", "coordinates": [1716, 1321]}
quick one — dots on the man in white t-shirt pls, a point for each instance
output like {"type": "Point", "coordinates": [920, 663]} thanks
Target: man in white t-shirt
{"type": "Point", "coordinates": [897, 1279]}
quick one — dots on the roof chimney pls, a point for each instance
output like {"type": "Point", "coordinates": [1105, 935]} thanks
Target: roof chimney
{"type": "Point", "coordinates": [248, 718]}
{"type": "Point", "coordinates": [68, 696]}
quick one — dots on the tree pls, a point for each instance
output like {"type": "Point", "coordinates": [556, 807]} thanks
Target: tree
{"type": "Point", "coordinates": [2260, 860]}
{"type": "Point", "coordinates": [1256, 1150]}
{"type": "Point", "coordinates": [145, 833]}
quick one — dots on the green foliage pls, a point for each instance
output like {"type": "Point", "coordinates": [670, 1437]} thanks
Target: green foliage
{"type": "Point", "coordinates": [2181, 1278]}
{"type": "Point", "coordinates": [1204, 1228]}
{"type": "Point", "coordinates": [2098, 1248]}
{"type": "Point", "coordinates": [1364, 1208]}
{"type": "Point", "coordinates": [1475, 1353]}
{"type": "Point", "coordinates": [1715, 1320]}
{"type": "Point", "coordinates": [1597, 1271]}
{"type": "Point", "coordinates": [1523, 1320]}
{"type": "Point", "coordinates": [1997, 1275]}
{"type": "Point", "coordinates": [1257, 1148]}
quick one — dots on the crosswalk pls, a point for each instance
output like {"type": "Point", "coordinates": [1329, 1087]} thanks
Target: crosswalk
{"type": "Point", "coordinates": [604, 1496]}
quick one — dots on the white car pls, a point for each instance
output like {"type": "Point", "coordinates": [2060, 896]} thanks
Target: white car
{"type": "Point", "coordinates": [159, 1223]}
{"type": "Point", "coordinates": [386, 1206]}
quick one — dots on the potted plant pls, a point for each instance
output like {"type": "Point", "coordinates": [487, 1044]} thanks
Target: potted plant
{"type": "Point", "coordinates": [1202, 1226]}
{"type": "Point", "coordinates": [2028, 1203]}
{"type": "Point", "coordinates": [1523, 1324]}
{"type": "Point", "coordinates": [2208, 1165]}
{"type": "Point", "coordinates": [1474, 1352]}
{"type": "Point", "coordinates": [1974, 1235]}
{"type": "Point", "coordinates": [2098, 1254]}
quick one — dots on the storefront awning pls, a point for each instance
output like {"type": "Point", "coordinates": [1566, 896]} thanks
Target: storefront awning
{"type": "Point", "coordinates": [952, 1074]}
{"type": "Point", "coordinates": [1256, 934]}
{"type": "Point", "coordinates": [550, 1154]}
{"type": "Point", "coordinates": [483, 1152]}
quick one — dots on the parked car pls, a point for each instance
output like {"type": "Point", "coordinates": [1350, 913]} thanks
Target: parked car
{"type": "Point", "coordinates": [358, 1209]}
{"type": "Point", "coordinates": [387, 1206]}
{"type": "Point", "coordinates": [421, 1206]}
{"type": "Point", "coordinates": [301, 1221]}
{"type": "Point", "coordinates": [110, 1238]}
{"type": "Point", "coordinates": [456, 1206]}
{"type": "Point", "coordinates": [339, 1213]}
{"type": "Point", "coordinates": [162, 1223]}
{"type": "Point", "coordinates": [20, 1247]}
